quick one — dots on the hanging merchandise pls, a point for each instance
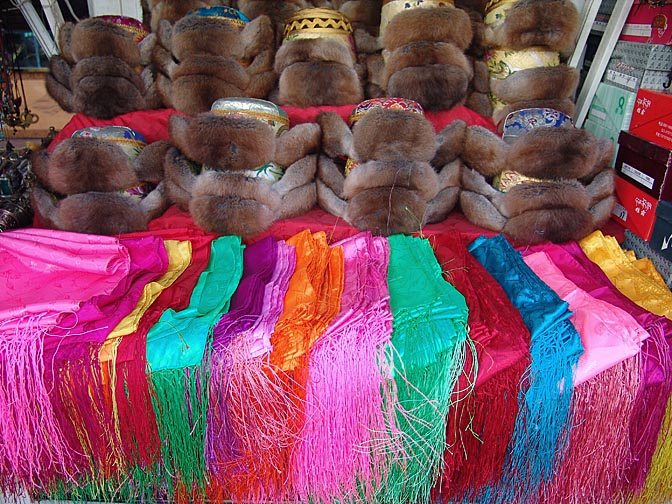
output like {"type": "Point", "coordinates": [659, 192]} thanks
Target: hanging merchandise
{"type": "Point", "coordinates": [15, 182]}
{"type": "Point", "coordinates": [14, 112]}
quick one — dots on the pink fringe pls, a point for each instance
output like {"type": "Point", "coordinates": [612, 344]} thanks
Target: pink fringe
{"type": "Point", "coordinates": [599, 448]}
{"type": "Point", "coordinates": [33, 449]}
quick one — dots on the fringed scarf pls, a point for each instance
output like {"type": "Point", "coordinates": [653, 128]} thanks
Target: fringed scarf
{"type": "Point", "coordinates": [46, 275]}
{"type": "Point", "coordinates": [602, 258]}
{"type": "Point", "coordinates": [426, 356]}
{"type": "Point", "coordinates": [480, 424]}
{"type": "Point", "coordinates": [246, 425]}
{"type": "Point", "coordinates": [77, 391]}
{"type": "Point", "coordinates": [137, 421]}
{"type": "Point", "coordinates": [178, 360]}
{"type": "Point", "coordinates": [313, 299]}
{"type": "Point", "coordinates": [540, 438]}
{"type": "Point", "coordinates": [342, 453]}
{"type": "Point", "coordinates": [247, 303]}
{"type": "Point", "coordinates": [606, 383]}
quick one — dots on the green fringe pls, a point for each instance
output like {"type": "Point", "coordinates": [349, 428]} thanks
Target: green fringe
{"type": "Point", "coordinates": [180, 404]}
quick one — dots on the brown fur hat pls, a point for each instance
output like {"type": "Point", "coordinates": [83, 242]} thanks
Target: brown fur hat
{"type": "Point", "coordinates": [316, 72]}
{"type": "Point", "coordinates": [209, 171]}
{"type": "Point", "coordinates": [204, 35]}
{"type": "Point", "coordinates": [392, 187]}
{"type": "Point", "coordinates": [569, 193]}
{"type": "Point", "coordinates": [84, 185]}
{"type": "Point", "coordinates": [430, 25]}
{"type": "Point", "coordinates": [391, 135]}
{"type": "Point", "coordinates": [98, 37]}
{"type": "Point", "coordinates": [223, 142]}
{"type": "Point", "coordinates": [548, 24]}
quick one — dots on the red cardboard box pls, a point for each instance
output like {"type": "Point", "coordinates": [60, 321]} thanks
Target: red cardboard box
{"type": "Point", "coordinates": [645, 165]}
{"type": "Point", "coordinates": [652, 117]}
{"type": "Point", "coordinates": [635, 209]}
{"type": "Point", "coordinates": [648, 22]}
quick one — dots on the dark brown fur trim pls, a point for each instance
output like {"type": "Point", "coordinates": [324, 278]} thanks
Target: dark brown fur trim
{"type": "Point", "coordinates": [231, 215]}
{"type": "Point", "coordinates": [257, 37]}
{"type": "Point", "coordinates": [107, 97]}
{"type": "Point", "coordinates": [330, 175]}
{"type": "Point", "coordinates": [386, 211]}
{"type": "Point", "coordinates": [179, 178]}
{"type": "Point", "coordinates": [480, 211]}
{"type": "Point", "coordinates": [149, 165]}
{"type": "Point", "coordinates": [601, 211]}
{"type": "Point", "coordinates": [602, 186]}
{"type": "Point", "coordinates": [450, 143]}
{"type": "Point", "coordinates": [64, 37]}
{"type": "Point", "coordinates": [414, 175]}
{"type": "Point", "coordinates": [543, 83]}
{"type": "Point", "coordinates": [563, 153]}
{"type": "Point", "coordinates": [223, 142]}
{"type": "Point", "coordinates": [297, 143]}
{"type": "Point", "coordinates": [434, 25]}
{"type": "Point", "coordinates": [235, 185]}
{"type": "Point", "coordinates": [552, 24]}
{"type": "Point", "coordinates": [316, 84]}
{"type": "Point", "coordinates": [96, 37]}
{"type": "Point", "coordinates": [435, 87]}
{"type": "Point", "coordinates": [530, 196]}
{"type": "Point", "coordinates": [101, 213]}
{"type": "Point", "coordinates": [336, 134]}
{"type": "Point", "coordinates": [312, 51]}
{"type": "Point", "coordinates": [298, 201]}
{"type": "Point", "coordinates": [389, 134]}
{"type": "Point", "coordinates": [57, 86]}
{"type": "Point", "coordinates": [205, 35]}
{"type": "Point", "coordinates": [451, 174]}
{"type": "Point", "coordinates": [298, 174]}
{"type": "Point", "coordinates": [328, 201]}
{"type": "Point", "coordinates": [105, 66]}
{"type": "Point", "coordinates": [195, 94]}
{"type": "Point", "coordinates": [442, 204]}
{"type": "Point", "coordinates": [424, 53]}
{"type": "Point", "coordinates": [79, 165]}
{"type": "Point", "coordinates": [557, 225]}
{"type": "Point", "coordinates": [480, 103]}
{"type": "Point", "coordinates": [218, 67]}
{"type": "Point", "coordinates": [472, 181]}
{"type": "Point", "coordinates": [45, 206]}
{"type": "Point", "coordinates": [484, 151]}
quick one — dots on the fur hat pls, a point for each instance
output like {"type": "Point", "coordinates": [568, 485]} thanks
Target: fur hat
{"type": "Point", "coordinates": [102, 68]}
{"type": "Point", "coordinates": [424, 52]}
{"type": "Point", "coordinates": [201, 58]}
{"type": "Point", "coordinates": [550, 183]}
{"type": "Point", "coordinates": [316, 61]}
{"type": "Point", "coordinates": [389, 183]}
{"type": "Point", "coordinates": [100, 181]}
{"type": "Point", "coordinates": [235, 172]}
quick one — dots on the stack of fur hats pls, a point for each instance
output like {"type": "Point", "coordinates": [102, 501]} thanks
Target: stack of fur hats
{"type": "Point", "coordinates": [211, 53]}
{"type": "Point", "coordinates": [102, 69]}
{"type": "Point", "coordinates": [240, 167]}
{"type": "Point", "coordinates": [541, 178]}
{"type": "Point", "coordinates": [387, 171]}
{"type": "Point", "coordinates": [423, 48]}
{"type": "Point", "coordinates": [103, 180]}
{"type": "Point", "coordinates": [316, 61]}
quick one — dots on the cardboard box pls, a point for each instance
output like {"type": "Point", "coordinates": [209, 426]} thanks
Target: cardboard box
{"type": "Point", "coordinates": [646, 165]}
{"type": "Point", "coordinates": [635, 64]}
{"type": "Point", "coordinates": [652, 117]}
{"type": "Point", "coordinates": [612, 107]}
{"type": "Point", "coordinates": [648, 22]}
{"type": "Point", "coordinates": [634, 209]}
{"type": "Point", "coordinates": [661, 238]}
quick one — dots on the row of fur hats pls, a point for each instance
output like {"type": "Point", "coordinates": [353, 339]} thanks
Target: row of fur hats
{"type": "Point", "coordinates": [294, 57]}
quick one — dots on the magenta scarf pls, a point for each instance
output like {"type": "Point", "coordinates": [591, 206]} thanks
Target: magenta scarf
{"type": "Point", "coordinates": [345, 447]}
{"type": "Point", "coordinates": [47, 275]}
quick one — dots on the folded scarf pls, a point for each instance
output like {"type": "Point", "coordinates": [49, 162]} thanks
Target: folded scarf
{"type": "Point", "coordinates": [541, 435]}
{"type": "Point", "coordinates": [177, 357]}
{"type": "Point", "coordinates": [480, 423]}
{"type": "Point", "coordinates": [426, 356]}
